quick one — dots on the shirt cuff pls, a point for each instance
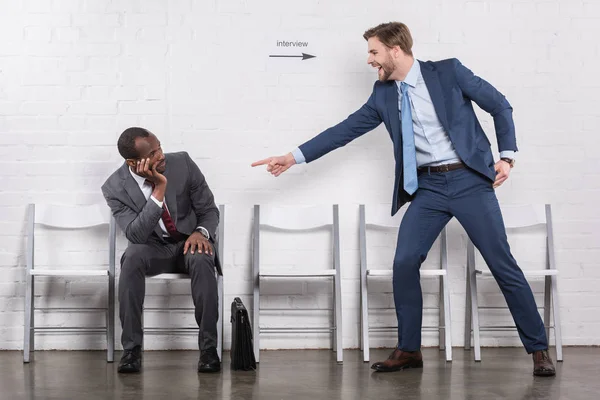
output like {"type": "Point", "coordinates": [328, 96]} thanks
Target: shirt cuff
{"type": "Point", "coordinates": [204, 231]}
{"type": "Point", "coordinates": [158, 203]}
{"type": "Point", "coordinates": [298, 156]}
{"type": "Point", "coordinates": [508, 154]}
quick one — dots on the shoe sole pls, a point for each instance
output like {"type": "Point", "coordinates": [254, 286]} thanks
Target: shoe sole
{"type": "Point", "coordinates": [128, 371]}
{"type": "Point", "coordinates": [208, 371]}
{"type": "Point", "coordinates": [545, 373]}
{"type": "Point", "coordinates": [418, 364]}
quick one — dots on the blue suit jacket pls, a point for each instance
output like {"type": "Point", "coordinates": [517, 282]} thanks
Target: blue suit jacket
{"type": "Point", "coordinates": [452, 88]}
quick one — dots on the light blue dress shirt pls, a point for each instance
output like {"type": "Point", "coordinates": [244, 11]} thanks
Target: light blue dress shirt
{"type": "Point", "coordinates": [432, 143]}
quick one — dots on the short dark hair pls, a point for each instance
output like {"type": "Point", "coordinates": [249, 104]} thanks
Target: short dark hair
{"type": "Point", "coordinates": [392, 34]}
{"type": "Point", "coordinates": [126, 143]}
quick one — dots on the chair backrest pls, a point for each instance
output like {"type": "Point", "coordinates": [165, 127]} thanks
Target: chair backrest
{"type": "Point", "coordinates": [68, 217]}
{"type": "Point", "coordinates": [296, 218]}
{"type": "Point", "coordinates": [519, 217]}
{"type": "Point", "coordinates": [378, 216]}
{"type": "Point", "coordinates": [523, 216]}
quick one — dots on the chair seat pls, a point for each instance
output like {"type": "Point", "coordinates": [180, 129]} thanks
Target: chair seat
{"type": "Point", "coordinates": [69, 272]}
{"type": "Point", "coordinates": [273, 273]}
{"type": "Point", "coordinates": [170, 276]}
{"type": "Point", "coordinates": [542, 272]}
{"type": "Point", "coordinates": [389, 272]}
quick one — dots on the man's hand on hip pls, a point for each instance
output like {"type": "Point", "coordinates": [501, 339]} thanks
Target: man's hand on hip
{"type": "Point", "coordinates": [277, 165]}
{"type": "Point", "coordinates": [503, 170]}
{"type": "Point", "coordinates": [197, 241]}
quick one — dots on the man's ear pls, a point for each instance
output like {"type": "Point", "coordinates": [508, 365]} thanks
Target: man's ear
{"type": "Point", "coordinates": [131, 162]}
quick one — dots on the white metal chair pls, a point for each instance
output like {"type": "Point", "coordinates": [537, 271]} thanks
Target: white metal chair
{"type": "Point", "coordinates": [180, 276]}
{"type": "Point", "coordinates": [68, 217]}
{"type": "Point", "coordinates": [379, 217]}
{"type": "Point", "coordinates": [298, 219]}
{"type": "Point", "coordinates": [516, 218]}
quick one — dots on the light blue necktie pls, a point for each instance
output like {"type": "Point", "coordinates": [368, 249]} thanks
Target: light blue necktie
{"type": "Point", "coordinates": [409, 154]}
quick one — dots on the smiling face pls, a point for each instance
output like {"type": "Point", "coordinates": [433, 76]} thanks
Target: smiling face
{"type": "Point", "coordinates": [381, 58]}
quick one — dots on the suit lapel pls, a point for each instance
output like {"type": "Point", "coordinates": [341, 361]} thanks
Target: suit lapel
{"type": "Point", "coordinates": [432, 81]}
{"type": "Point", "coordinates": [394, 112]}
{"type": "Point", "coordinates": [135, 193]}
{"type": "Point", "coordinates": [171, 193]}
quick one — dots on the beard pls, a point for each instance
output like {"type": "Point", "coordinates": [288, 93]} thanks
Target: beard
{"type": "Point", "coordinates": [386, 70]}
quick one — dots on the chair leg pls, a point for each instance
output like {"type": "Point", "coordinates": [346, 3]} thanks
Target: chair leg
{"type": "Point", "coordinates": [447, 318]}
{"type": "Point", "coordinates": [468, 325]}
{"type": "Point", "coordinates": [547, 305]}
{"type": "Point", "coordinates": [256, 314]}
{"type": "Point", "coordinates": [364, 320]}
{"type": "Point", "coordinates": [338, 318]}
{"type": "Point", "coordinates": [110, 322]}
{"type": "Point", "coordinates": [556, 315]}
{"type": "Point", "coordinates": [334, 331]}
{"type": "Point", "coordinates": [221, 317]}
{"type": "Point", "coordinates": [474, 301]}
{"type": "Point", "coordinates": [28, 344]}
{"type": "Point", "coordinates": [441, 317]}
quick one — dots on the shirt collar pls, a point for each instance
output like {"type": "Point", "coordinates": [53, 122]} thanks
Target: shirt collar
{"type": "Point", "coordinates": [139, 179]}
{"type": "Point", "coordinates": [413, 75]}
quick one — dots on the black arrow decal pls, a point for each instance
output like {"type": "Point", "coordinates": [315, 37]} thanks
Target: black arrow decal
{"type": "Point", "coordinates": [304, 56]}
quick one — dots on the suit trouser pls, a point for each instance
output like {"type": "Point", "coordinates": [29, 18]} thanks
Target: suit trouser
{"type": "Point", "coordinates": [153, 258]}
{"type": "Point", "coordinates": [470, 197]}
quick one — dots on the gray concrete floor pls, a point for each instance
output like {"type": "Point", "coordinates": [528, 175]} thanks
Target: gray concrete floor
{"type": "Point", "coordinates": [302, 374]}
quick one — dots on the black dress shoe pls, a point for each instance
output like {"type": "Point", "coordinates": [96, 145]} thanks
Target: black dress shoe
{"type": "Point", "coordinates": [209, 361]}
{"type": "Point", "coordinates": [131, 361]}
{"type": "Point", "coordinates": [399, 360]}
{"type": "Point", "coordinates": [542, 364]}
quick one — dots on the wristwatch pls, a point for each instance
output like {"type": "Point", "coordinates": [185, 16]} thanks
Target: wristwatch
{"type": "Point", "coordinates": [511, 161]}
{"type": "Point", "coordinates": [203, 231]}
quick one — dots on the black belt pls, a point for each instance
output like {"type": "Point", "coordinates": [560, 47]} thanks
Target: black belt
{"type": "Point", "coordinates": [442, 168]}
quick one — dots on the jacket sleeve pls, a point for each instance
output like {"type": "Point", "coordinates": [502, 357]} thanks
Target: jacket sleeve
{"type": "Point", "coordinates": [203, 201]}
{"type": "Point", "coordinates": [489, 99]}
{"type": "Point", "coordinates": [137, 227]}
{"type": "Point", "coordinates": [357, 124]}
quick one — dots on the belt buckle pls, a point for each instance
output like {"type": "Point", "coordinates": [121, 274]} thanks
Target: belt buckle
{"type": "Point", "coordinates": [446, 168]}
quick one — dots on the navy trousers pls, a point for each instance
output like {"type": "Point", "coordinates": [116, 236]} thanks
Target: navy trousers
{"type": "Point", "coordinates": [470, 197]}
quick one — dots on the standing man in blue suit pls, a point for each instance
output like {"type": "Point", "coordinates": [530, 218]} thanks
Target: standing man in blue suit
{"type": "Point", "coordinates": [445, 168]}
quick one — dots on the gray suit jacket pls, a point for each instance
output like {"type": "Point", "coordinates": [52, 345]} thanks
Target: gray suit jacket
{"type": "Point", "coordinates": [190, 201]}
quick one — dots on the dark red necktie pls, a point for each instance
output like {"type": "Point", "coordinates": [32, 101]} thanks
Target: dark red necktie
{"type": "Point", "coordinates": [167, 220]}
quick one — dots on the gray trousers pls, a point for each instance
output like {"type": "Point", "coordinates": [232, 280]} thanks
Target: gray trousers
{"type": "Point", "coordinates": [156, 257]}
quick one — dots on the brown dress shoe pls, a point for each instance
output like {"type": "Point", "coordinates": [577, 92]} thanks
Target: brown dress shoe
{"type": "Point", "coordinates": [400, 360]}
{"type": "Point", "coordinates": [542, 364]}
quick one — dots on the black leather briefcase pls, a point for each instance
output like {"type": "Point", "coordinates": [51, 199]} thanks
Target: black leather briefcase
{"type": "Point", "coordinates": [242, 347]}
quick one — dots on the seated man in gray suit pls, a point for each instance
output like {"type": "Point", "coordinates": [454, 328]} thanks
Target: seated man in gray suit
{"type": "Point", "coordinates": [167, 211]}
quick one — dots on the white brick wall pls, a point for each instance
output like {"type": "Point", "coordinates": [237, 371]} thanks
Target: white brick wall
{"type": "Point", "coordinates": [75, 73]}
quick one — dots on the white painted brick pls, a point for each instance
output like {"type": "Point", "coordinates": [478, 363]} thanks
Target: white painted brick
{"type": "Point", "coordinates": [141, 107]}
{"type": "Point", "coordinates": [101, 34]}
{"type": "Point", "coordinates": [96, 19]}
{"type": "Point", "coordinates": [146, 19]}
{"type": "Point", "coordinates": [67, 5]}
{"type": "Point", "coordinates": [94, 108]}
{"type": "Point", "coordinates": [38, 34]}
{"type": "Point", "coordinates": [101, 66]}
{"type": "Point", "coordinates": [43, 108]}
